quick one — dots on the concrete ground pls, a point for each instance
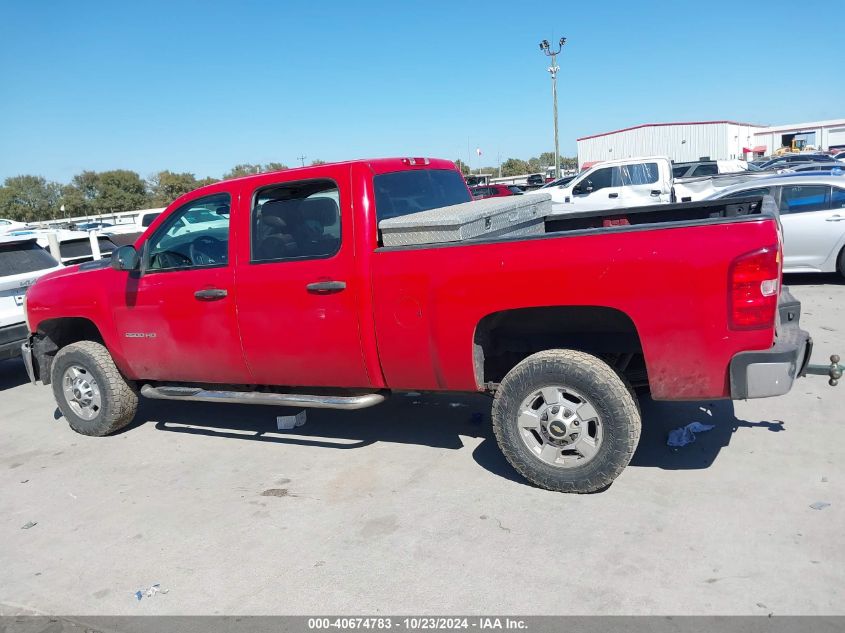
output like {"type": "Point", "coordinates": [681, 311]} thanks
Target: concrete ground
{"type": "Point", "coordinates": [410, 508]}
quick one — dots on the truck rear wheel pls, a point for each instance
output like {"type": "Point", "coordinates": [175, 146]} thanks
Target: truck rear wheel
{"type": "Point", "coordinates": [566, 421]}
{"type": "Point", "coordinates": [90, 391]}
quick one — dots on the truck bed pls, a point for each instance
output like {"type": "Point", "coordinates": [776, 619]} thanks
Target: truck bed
{"type": "Point", "coordinates": [664, 269]}
{"type": "Point", "coordinates": [635, 218]}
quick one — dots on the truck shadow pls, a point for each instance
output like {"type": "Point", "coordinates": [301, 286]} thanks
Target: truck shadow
{"type": "Point", "coordinates": [437, 420]}
{"type": "Point", "coordinates": [12, 374]}
{"type": "Point", "coordinates": [813, 279]}
{"type": "Point", "coordinates": [442, 421]}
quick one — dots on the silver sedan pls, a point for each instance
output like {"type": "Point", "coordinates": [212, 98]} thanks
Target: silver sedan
{"type": "Point", "coordinates": [812, 213]}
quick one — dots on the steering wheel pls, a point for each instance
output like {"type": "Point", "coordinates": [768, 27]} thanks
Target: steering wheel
{"type": "Point", "coordinates": [206, 250]}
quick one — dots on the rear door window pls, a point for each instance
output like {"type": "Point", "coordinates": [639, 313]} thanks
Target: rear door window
{"type": "Point", "coordinates": [837, 198]}
{"type": "Point", "coordinates": [17, 258]}
{"type": "Point", "coordinates": [804, 198]}
{"type": "Point", "coordinates": [706, 170]}
{"type": "Point", "coordinates": [640, 174]}
{"type": "Point", "coordinates": [403, 192]}
{"type": "Point", "coordinates": [296, 220]}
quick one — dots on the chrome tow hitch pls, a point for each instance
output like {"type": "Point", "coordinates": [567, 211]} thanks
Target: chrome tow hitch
{"type": "Point", "coordinates": [833, 371]}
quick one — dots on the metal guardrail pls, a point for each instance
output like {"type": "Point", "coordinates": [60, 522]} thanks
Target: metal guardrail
{"type": "Point", "coordinates": [117, 218]}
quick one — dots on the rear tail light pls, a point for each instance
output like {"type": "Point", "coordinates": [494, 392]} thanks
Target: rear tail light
{"type": "Point", "coordinates": [754, 286]}
{"type": "Point", "coordinates": [416, 162]}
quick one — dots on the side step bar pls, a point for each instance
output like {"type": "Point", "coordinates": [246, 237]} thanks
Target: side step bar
{"type": "Point", "coordinates": [257, 397]}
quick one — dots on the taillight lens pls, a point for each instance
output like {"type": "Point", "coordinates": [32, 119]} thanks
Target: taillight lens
{"type": "Point", "coordinates": [754, 286]}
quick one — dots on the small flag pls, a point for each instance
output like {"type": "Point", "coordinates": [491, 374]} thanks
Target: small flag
{"type": "Point", "coordinates": [478, 151]}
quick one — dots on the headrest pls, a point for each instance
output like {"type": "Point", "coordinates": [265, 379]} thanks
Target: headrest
{"type": "Point", "coordinates": [278, 208]}
{"type": "Point", "coordinates": [321, 210]}
{"type": "Point", "coordinates": [273, 220]}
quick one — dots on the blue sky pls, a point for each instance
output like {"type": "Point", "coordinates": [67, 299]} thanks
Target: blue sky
{"type": "Point", "coordinates": [202, 86]}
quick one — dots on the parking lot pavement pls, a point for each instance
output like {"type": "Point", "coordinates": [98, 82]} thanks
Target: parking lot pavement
{"type": "Point", "coordinates": [410, 508]}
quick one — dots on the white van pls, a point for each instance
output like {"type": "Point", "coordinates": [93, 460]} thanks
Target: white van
{"type": "Point", "coordinates": [630, 182]}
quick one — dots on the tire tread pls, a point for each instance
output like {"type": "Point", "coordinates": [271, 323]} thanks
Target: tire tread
{"type": "Point", "coordinates": [594, 370]}
{"type": "Point", "coordinates": [117, 391]}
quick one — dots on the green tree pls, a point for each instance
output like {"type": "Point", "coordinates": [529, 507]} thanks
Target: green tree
{"type": "Point", "coordinates": [274, 167]}
{"type": "Point", "coordinates": [514, 167]}
{"type": "Point", "coordinates": [29, 198]}
{"type": "Point", "coordinates": [318, 162]}
{"type": "Point", "coordinates": [208, 180]}
{"type": "Point", "coordinates": [75, 202]}
{"type": "Point", "coordinates": [120, 190]}
{"type": "Point", "coordinates": [547, 159]}
{"type": "Point", "coordinates": [166, 186]}
{"type": "Point", "coordinates": [92, 192]}
{"type": "Point", "coordinates": [244, 169]}
{"type": "Point", "coordinates": [462, 166]}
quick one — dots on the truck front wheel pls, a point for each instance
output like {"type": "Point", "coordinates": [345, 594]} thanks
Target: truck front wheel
{"type": "Point", "coordinates": [566, 421]}
{"type": "Point", "coordinates": [90, 391]}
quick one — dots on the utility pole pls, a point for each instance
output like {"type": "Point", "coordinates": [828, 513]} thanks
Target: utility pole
{"type": "Point", "coordinates": [302, 159]}
{"type": "Point", "coordinates": [548, 52]}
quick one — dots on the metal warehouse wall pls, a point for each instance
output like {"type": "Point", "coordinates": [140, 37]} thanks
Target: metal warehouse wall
{"type": "Point", "coordinates": [681, 142]}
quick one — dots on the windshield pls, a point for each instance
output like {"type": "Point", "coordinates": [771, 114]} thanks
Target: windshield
{"type": "Point", "coordinates": [403, 192]}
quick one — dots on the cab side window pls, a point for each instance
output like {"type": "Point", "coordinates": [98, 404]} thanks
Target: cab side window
{"type": "Point", "coordinates": [601, 179]}
{"type": "Point", "coordinates": [181, 244]}
{"type": "Point", "coordinates": [296, 220]}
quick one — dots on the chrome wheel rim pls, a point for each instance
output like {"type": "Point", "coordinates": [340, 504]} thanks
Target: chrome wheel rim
{"type": "Point", "coordinates": [82, 392]}
{"type": "Point", "coordinates": [560, 426]}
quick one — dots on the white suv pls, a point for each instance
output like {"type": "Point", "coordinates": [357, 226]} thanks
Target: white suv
{"type": "Point", "coordinates": [22, 261]}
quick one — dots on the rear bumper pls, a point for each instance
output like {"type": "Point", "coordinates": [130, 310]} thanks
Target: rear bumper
{"type": "Point", "coordinates": [11, 338]}
{"type": "Point", "coordinates": [771, 372]}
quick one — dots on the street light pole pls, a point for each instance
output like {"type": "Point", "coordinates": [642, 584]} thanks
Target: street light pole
{"type": "Point", "coordinates": [549, 52]}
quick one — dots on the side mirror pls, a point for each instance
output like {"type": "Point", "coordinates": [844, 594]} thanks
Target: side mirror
{"type": "Point", "coordinates": [125, 258]}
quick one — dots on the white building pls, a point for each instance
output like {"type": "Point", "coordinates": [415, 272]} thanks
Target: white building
{"type": "Point", "coordinates": [822, 135]}
{"type": "Point", "coordinates": [714, 140]}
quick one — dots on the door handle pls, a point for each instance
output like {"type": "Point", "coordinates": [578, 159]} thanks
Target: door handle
{"type": "Point", "coordinates": [656, 192]}
{"type": "Point", "coordinates": [834, 218]}
{"type": "Point", "coordinates": [210, 294]}
{"type": "Point", "coordinates": [613, 195]}
{"type": "Point", "coordinates": [325, 287]}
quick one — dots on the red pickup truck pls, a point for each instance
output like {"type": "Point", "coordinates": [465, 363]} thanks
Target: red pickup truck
{"type": "Point", "coordinates": [277, 289]}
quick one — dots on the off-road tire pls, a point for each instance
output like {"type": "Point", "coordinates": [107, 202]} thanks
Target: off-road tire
{"type": "Point", "coordinates": [119, 397]}
{"type": "Point", "coordinates": [607, 391]}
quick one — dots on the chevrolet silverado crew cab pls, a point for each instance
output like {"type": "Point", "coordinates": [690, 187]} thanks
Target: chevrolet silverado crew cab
{"type": "Point", "coordinates": [285, 293]}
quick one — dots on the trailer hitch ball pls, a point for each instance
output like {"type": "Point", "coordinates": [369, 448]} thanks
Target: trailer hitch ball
{"type": "Point", "coordinates": [835, 371]}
